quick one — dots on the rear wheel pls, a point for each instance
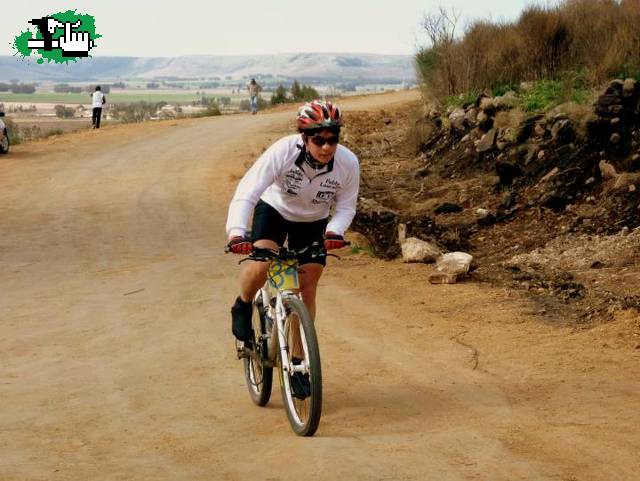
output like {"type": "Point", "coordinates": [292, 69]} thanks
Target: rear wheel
{"type": "Point", "coordinates": [259, 378]}
{"type": "Point", "coordinates": [303, 409]}
{"type": "Point", "coordinates": [4, 142]}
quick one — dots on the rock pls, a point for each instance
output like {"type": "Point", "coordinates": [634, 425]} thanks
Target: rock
{"type": "Point", "coordinates": [441, 278]}
{"type": "Point", "coordinates": [541, 155]}
{"type": "Point", "coordinates": [505, 102]}
{"type": "Point", "coordinates": [487, 141]}
{"type": "Point", "coordinates": [607, 171]}
{"type": "Point", "coordinates": [609, 105]}
{"type": "Point", "coordinates": [471, 116]}
{"type": "Point", "coordinates": [485, 121]}
{"type": "Point", "coordinates": [562, 131]}
{"type": "Point", "coordinates": [635, 163]}
{"type": "Point", "coordinates": [457, 120]}
{"type": "Point", "coordinates": [615, 138]}
{"type": "Point", "coordinates": [417, 250]}
{"type": "Point", "coordinates": [532, 153]}
{"type": "Point", "coordinates": [615, 121]}
{"type": "Point", "coordinates": [454, 263]}
{"type": "Point", "coordinates": [629, 87]}
{"type": "Point", "coordinates": [482, 212]}
{"type": "Point", "coordinates": [616, 87]}
{"type": "Point", "coordinates": [487, 220]}
{"type": "Point", "coordinates": [540, 130]}
{"type": "Point", "coordinates": [486, 103]}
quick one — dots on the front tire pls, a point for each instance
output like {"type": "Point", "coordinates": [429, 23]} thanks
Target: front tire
{"type": "Point", "coordinates": [304, 414]}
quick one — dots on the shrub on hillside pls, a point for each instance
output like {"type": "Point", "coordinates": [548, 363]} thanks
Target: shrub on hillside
{"type": "Point", "coordinates": [64, 112]}
{"type": "Point", "coordinates": [135, 112]}
{"type": "Point", "coordinates": [245, 105]}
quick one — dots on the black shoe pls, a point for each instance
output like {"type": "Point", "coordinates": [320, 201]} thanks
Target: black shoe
{"type": "Point", "coordinates": [300, 384]}
{"type": "Point", "coordinates": [241, 320]}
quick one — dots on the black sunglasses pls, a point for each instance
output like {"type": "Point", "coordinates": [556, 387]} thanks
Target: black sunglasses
{"type": "Point", "coordinates": [319, 140]}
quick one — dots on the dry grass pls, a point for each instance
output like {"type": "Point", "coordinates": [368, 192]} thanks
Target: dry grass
{"type": "Point", "coordinates": [598, 38]}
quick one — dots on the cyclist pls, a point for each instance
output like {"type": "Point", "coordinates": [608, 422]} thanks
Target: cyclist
{"type": "Point", "coordinates": [291, 188]}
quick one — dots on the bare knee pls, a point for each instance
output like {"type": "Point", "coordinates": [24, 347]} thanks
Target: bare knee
{"type": "Point", "coordinates": [254, 274]}
{"type": "Point", "coordinates": [309, 277]}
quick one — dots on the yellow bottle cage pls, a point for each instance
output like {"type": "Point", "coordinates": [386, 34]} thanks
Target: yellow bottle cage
{"type": "Point", "coordinates": [283, 274]}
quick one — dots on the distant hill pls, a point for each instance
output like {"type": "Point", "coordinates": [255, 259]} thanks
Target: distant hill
{"type": "Point", "coordinates": [326, 67]}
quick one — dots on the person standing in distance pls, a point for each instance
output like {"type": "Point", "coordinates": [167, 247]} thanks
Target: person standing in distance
{"type": "Point", "coordinates": [254, 89]}
{"type": "Point", "coordinates": [98, 101]}
{"type": "Point", "coordinates": [291, 189]}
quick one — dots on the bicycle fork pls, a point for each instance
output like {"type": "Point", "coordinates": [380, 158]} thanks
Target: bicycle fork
{"type": "Point", "coordinates": [281, 316]}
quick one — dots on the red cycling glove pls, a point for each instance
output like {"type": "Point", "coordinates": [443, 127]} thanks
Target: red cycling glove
{"type": "Point", "coordinates": [333, 241]}
{"type": "Point", "coordinates": [240, 245]}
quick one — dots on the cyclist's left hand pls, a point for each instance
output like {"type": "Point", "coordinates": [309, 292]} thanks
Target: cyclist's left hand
{"type": "Point", "coordinates": [333, 241]}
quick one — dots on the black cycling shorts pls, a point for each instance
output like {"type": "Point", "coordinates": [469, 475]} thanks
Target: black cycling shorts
{"type": "Point", "coordinates": [269, 224]}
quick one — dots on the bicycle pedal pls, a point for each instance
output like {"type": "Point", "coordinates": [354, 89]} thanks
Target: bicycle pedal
{"type": "Point", "coordinates": [243, 352]}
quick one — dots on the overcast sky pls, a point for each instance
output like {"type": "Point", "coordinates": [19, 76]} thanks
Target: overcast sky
{"type": "Point", "coordinates": [190, 27]}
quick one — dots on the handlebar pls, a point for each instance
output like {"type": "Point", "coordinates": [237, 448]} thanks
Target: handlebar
{"type": "Point", "coordinates": [262, 254]}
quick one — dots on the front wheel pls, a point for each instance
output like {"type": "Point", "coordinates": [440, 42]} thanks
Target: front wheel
{"type": "Point", "coordinates": [302, 396]}
{"type": "Point", "coordinates": [259, 378]}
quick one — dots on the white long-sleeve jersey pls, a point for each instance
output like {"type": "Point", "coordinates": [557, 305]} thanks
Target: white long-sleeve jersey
{"type": "Point", "coordinates": [280, 179]}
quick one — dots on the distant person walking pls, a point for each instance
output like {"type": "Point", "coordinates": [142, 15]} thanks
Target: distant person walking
{"type": "Point", "coordinates": [254, 89]}
{"type": "Point", "coordinates": [99, 99]}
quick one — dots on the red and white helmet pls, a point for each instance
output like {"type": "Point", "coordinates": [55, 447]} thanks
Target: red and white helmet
{"type": "Point", "coordinates": [319, 114]}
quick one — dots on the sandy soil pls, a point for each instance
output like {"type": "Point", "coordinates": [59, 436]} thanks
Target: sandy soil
{"type": "Point", "coordinates": [117, 363]}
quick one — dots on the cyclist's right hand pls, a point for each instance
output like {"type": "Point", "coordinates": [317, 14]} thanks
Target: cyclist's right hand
{"type": "Point", "coordinates": [239, 245]}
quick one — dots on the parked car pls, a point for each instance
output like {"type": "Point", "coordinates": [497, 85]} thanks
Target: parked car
{"type": "Point", "coordinates": [4, 136]}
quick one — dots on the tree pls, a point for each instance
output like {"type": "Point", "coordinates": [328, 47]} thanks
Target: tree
{"type": "Point", "coordinates": [303, 93]}
{"type": "Point", "coordinates": [296, 91]}
{"type": "Point", "coordinates": [279, 96]}
{"type": "Point", "coordinates": [23, 88]}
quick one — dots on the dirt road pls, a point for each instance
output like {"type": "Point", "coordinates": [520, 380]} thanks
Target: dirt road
{"type": "Point", "coordinates": [116, 360]}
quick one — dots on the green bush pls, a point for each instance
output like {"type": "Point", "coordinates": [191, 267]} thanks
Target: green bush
{"type": "Point", "coordinates": [279, 96]}
{"type": "Point", "coordinates": [546, 94]}
{"type": "Point", "coordinates": [455, 101]}
{"type": "Point", "coordinates": [245, 105]}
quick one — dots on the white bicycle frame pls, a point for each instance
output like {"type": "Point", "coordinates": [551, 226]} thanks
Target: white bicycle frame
{"type": "Point", "coordinates": [280, 317]}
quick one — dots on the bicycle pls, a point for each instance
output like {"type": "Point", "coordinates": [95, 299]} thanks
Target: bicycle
{"type": "Point", "coordinates": [278, 316]}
